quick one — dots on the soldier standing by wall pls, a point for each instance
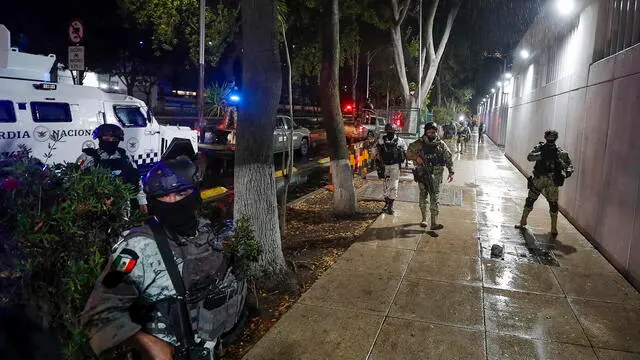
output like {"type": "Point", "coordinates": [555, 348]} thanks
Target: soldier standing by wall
{"type": "Point", "coordinates": [391, 153]}
{"type": "Point", "coordinates": [481, 133]}
{"type": "Point", "coordinates": [552, 167]}
{"type": "Point", "coordinates": [431, 155]}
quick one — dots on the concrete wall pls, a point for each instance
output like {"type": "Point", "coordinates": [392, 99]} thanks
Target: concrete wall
{"type": "Point", "coordinates": [596, 109]}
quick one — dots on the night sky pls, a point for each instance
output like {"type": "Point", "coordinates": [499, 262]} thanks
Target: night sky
{"type": "Point", "coordinates": [40, 26]}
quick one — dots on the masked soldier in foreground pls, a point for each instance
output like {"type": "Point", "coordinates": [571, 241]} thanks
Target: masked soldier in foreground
{"type": "Point", "coordinates": [431, 156]}
{"type": "Point", "coordinates": [110, 156]}
{"type": "Point", "coordinates": [552, 167]}
{"type": "Point", "coordinates": [167, 290]}
{"type": "Point", "coordinates": [391, 153]}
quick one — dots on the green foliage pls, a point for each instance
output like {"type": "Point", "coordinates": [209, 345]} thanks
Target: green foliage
{"type": "Point", "coordinates": [443, 115]}
{"type": "Point", "coordinates": [243, 249]}
{"type": "Point", "coordinates": [215, 98]}
{"type": "Point", "coordinates": [63, 221]}
{"type": "Point", "coordinates": [176, 22]}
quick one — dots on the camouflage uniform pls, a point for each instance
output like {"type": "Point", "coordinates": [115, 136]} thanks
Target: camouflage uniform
{"type": "Point", "coordinates": [545, 180]}
{"type": "Point", "coordinates": [141, 299]}
{"type": "Point", "coordinates": [436, 156]}
{"type": "Point", "coordinates": [85, 161]}
{"type": "Point", "coordinates": [464, 135]}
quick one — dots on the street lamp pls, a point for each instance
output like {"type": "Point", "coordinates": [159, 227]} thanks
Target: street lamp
{"type": "Point", "coordinates": [370, 56]}
{"type": "Point", "coordinates": [201, 119]}
{"type": "Point", "coordinates": [524, 53]}
{"type": "Point", "coordinates": [461, 117]}
{"type": "Point", "coordinates": [499, 83]}
{"type": "Point", "coordinates": [493, 91]}
{"type": "Point", "coordinates": [565, 7]}
{"type": "Point", "coordinates": [508, 76]}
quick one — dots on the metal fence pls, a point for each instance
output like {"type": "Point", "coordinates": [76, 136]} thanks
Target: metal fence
{"type": "Point", "coordinates": [408, 120]}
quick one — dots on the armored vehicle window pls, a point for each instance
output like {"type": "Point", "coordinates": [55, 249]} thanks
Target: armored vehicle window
{"type": "Point", "coordinates": [130, 116]}
{"type": "Point", "coordinates": [7, 112]}
{"type": "Point", "coordinates": [50, 112]}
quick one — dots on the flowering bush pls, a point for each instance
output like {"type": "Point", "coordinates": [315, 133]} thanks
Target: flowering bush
{"type": "Point", "coordinates": [58, 224]}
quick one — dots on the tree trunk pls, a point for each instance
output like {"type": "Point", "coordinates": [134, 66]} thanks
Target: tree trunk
{"type": "Point", "coordinates": [344, 195]}
{"type": "Point", "coordinates": [430, 54]}
{"type": "Point", "coordinates": [287, 179]}
{"type": "Point", "coordinates": [439, 90]}
{"type": "Point", "coordinates": [254, 182]}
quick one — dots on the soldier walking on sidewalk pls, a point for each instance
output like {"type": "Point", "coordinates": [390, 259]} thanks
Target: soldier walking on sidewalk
{"type": "Point", "coordinates": [391, 153]}
{"type": "Point", "coordinates": [432, 155]}
{"type": "Point", "coordinates": [553, 166]}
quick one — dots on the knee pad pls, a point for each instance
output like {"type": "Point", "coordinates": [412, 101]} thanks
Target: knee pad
{"type": "Point", "coordinates": [529, 202]}
{"type": "Point", "coordinates": [553, 207]}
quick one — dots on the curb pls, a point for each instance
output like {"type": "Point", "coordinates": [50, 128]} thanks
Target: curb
{"type": "Point", "coordinates": [213, 193]}
{"type": "Point", "coordinates": [280, 173]}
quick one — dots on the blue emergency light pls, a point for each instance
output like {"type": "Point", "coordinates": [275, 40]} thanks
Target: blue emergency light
{"type": "Point", "coordinates": [234, 98]}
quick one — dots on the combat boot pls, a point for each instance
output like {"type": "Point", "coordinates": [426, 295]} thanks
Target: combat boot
{"type": "Point", "coordinates": [434, 223]}
{"type": "Point", "coordinates": [390, 207]}
{"type": "Point", "coordinates": [424, 219]}
{"type": "Point", "coordinates": [554, 224]}
{"type": "Point", "coordinates": [386, 205]}
{"type": "Point", "coordinates": [523, 219]}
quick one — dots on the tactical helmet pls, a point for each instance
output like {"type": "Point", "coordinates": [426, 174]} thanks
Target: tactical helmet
{"type": "Point", "coordinates": [108, 130]}
{"type": "Point", "coordinates": [389, 128]}
{"type": "Point", "coordinates": [171, 176]}
{"type": "Point", "coordinates": [430, 126]}
{"type": "Point", "coordinates": [551, 133]}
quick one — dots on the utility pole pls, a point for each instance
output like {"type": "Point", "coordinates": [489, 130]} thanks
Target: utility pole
{"type": "Point", "coordinates": [201, 120]}
{"type": "Point", "coordinates": [368, 63]}
{"type": "Point", "coordinates": [420, 72]}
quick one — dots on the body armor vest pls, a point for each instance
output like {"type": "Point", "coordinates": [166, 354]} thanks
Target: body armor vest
{"type": "Point", "coordinates": [549, 162]}
{"type": "Point", "coordinates": [433, 154]}
{"type": "Point", "coordinates": [214, 297]}
{"type": "Point", "coordinates": [391, 153]}
{"type": "Point", "coordinates": [120, 167]}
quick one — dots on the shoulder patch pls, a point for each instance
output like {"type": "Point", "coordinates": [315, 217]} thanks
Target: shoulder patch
{"type": "Point", "coordinates": [125, 261]}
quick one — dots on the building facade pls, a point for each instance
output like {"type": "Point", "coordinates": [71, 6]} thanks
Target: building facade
{"type": "Point", "coordinates": [582, 77]}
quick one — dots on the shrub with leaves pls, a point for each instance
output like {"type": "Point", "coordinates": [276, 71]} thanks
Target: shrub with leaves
{"type": "Point", "coordinates": [243, 249]}
{"type": "Point", "coordinates": [61, 222]}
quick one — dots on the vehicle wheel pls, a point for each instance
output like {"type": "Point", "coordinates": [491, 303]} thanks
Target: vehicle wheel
{"type": "Point", "coordinates": [304, 147]}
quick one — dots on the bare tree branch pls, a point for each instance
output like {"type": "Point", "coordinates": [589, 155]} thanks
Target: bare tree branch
{"type": "Point", "coordinates": [403, 12]}
{"type": "Point", "coordinates": [445, 37]}
{"type": "Point", "coordinates": [430, 74]}
{"type": "Point", "coordinates": [399, 11]}
{"type": "Point", "coordinates": [430, 22]}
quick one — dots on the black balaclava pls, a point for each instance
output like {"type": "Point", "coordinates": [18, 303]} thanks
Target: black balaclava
{"type": "Point", "coordinates": [180, 216]}
{"type": "Point", "coordinates": [110, 147]}
{"type": "Point", "coordinates": [391, 135]}
{"type": "Point", "coordinates": [431, 137]}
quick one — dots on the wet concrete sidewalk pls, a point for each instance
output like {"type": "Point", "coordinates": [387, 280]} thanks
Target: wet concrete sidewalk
{"type": "Point", "coordinates": [403, 293]}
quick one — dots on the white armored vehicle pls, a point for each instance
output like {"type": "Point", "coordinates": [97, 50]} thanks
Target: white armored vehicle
{"type": "Point", "coordinates": [41, 114]}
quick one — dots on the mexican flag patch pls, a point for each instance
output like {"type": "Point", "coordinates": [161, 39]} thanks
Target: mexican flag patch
{"type": "Point", "coordinates": [125, 261]}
